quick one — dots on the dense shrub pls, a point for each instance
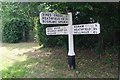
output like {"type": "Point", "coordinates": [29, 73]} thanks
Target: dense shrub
{"type": "Point", "coordinates": [49, 41]}
{"type": "Point", "coordinates": [13, 31]}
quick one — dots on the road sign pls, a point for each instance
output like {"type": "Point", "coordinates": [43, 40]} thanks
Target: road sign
{"type": "Point", "coordinates": [93, 28]}
{"type": "Point", "coordinates": [70, 30]}
{"type": "Point", "coordinates": [52, 18]}
{"type": "Point", "coordinates": [59, 30]}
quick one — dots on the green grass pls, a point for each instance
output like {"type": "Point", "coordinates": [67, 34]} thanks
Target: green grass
{"type": "Point", "coordinates": [28, 60]}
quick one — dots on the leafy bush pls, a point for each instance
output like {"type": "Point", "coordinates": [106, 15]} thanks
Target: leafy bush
{"type": "Point", "coordinates": [49, 41]}
{"type": "Point", "coordinates": [98, 49]}
{"type": "Point", "coordinates": [13, 30]}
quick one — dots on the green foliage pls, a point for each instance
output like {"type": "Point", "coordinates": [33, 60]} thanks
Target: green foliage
{"type": "Point", "coordinates": [15, 71]}
{"type": "Point", "coordinates": [107, 60]}
{"type": "Point", "coordinates": [49, 41]}
{"type": "Point", "coordinates": [14, 30]}
{"type": "Point", "coordinates": [104, 13]}
{"type": "Point", "coordinates": [97, 49]}
{"type": "Point", "coordinates": [112, 49]}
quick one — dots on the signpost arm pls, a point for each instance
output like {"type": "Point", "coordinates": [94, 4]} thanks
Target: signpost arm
{"type": "Point", "coordinates": [71, 53]}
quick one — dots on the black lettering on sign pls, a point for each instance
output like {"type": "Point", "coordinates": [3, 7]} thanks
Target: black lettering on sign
{"type": "Point", "coordinates": [89, 28]}
{"type": "Point", "coordinates": [43, 21]}
{"type": "Point", "coordinates": [82, 26]}
{"type": "Point", "coordinates": [94, 32]}
{"type": "Point", "coordinates": [75, 26]}
{"type": "Point", "coordinates": [47, 21]}
{"type": "Point", "coordinates": [60, 15]}
{"type": "Point", "coordinates": [54, 18]}
{"type": "Point", "coordinates": [60, 30]}
{"type": "Point", "coordinates": [49, 28]}
{"type": "Point", "coordinates": [65, 29]}
{"type": "Point", "coordinates": [75, 29]}
{"type": "Point", "coordinates": [51, 18]}
{"type": "Point", "coordinates": [58, 18]}
{"type": "Point", "coordinates": [62, 18]}
{"type": "Point", "coordinates": [54, 22]}
{"type": "Point", "coordinates": [56, 27]}
{"type": "Point", "coordinates": [43, 14]}
{"type": "Point", "coordinates": [44, 17]}
{"type": "Point", "coordinates": [49, 31]}
{"type": "Point", "coordinates": [86, 28]}
{"type": "Point", "coordinates": [94, 28]}
{"type": "Point", "coordinates": [85, 32]}
{"type": "Point", "coordinates": [95, 25]}
{"type": "Point", "coordinates": [50, 14]}
{"type": "Point", "coordinates": [56, 15]}
{"type": "Point", "coordinates": [59, 21]}
{"type": "Point", "coordinates": [82, 32]}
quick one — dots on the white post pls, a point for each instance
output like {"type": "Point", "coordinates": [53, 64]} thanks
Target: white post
{"type": "Point", "coordinates": [71, 53]}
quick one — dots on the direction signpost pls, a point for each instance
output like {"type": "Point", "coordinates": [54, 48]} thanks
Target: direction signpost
{"type": "Point", "coordinates": [52, 18]}
{"type": "Point", "coordinates": [59, 30]}
{"type": "Point", "coordinates": [93, 28]}
{"type": "Point", "coordinates": [70, 30]}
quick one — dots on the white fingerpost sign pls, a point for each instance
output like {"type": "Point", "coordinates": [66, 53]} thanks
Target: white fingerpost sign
{"type": "Point", "coordinates": [70, 30]}
{"type": "Point", "coordinates": [52, 18]}
{"type": "Point", "coordinates": [59, 30]}
{"type": "Point", "coordinates": [93, 28]}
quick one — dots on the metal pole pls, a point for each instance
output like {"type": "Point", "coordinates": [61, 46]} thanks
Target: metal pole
{"type": "Point", "coordinates": [71, 53]}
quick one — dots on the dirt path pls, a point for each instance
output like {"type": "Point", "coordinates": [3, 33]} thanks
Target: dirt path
{"type": "Point", "coordinates": [10, 52]}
